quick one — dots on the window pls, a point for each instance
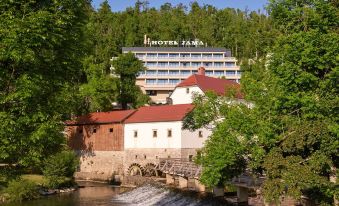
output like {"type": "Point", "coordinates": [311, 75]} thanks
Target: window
{"type": "Point", "coordinates": [190, 158]}
{"type": "Point", "coordinates": [217, 55]}
{"type": "Point", "coordinates": [196, 55]}
{"type": "Point", "coordinates": [150, 64]}
{"type": "Point", "coordinates": [200, 134]}
{"type": "Point", "coordinates": [163, 55]}
{"type": "Point", "coordinates": [174, 64]}
{"type": "Point", "coordinates": [169, 133]}
{"type": "Point", "coordinates": [110, 129]}
{"type": "Point", "coordinates": [162, 81]}
{"type": "Point", "coordinates": [145, 157]}
{"type": "Point", "coordinates": [136, 156]}
{"type": "Point", "coordinates": [155, 133]}
{"type": "Point", "coordinates": [209, 73]}
{"type": "Point", "coordinates": [196, 64]}
{"type": "Point", "coordinates": [151, 92]}
{"type": "Point", "coordinates": [162, 72]}
{"type": "Point", "coordinates": [219, 73]}
{"type": "Point", "coordinates": [207, 64]}
{"type": "Point", "coordinates": [173, 55]}
{"type": "Point", "coordinates": [151, 55]}
{"type": "Point", "coordinates": [173, 72]}
{"type": "Point", "coordinates": [162, 64]}
{"type": "Point", "coordinates": [187, 90]}
{"type": "Point", "coordinates": [218, 64]}
{"type": "Point", "coordinates": [140, 55]}
{"type": "Point", "coordinates": [207, 55]}
{"type": "Point", "coordinates": [150, 81]}
{"type": "Point", "coordinates": [185, 64]}
{"type": "Point", "coordinates": [184, 55]}
{"type": "Point", "coordinates": [230, 64]}
{"type": "Point", "coordinates": [135, 133]}
{"type": "Point", "coordinates": [94, 130]}
{"type": "Point", "coordinates": [174, 81]}
{"type": "Point", "coordinates": [185, 72]}
{"type": "Point", "coordinates": [230, 72]}
{"type": "Point", "coordinates": [168, 156]}
{"type": "Point", "coordinates": [151, 72]}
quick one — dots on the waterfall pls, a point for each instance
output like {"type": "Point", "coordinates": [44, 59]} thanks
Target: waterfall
{"type": "Point", "coordinates": [155, 195]}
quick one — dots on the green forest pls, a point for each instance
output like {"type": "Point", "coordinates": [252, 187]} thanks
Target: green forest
{"type": "Point", "coordinates": [55, 63]}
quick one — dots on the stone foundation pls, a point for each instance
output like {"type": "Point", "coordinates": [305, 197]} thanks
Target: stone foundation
{"type": "Point", "coordinates": [100, 165]}
{"type": "Point", "coordinates": [103, 165]}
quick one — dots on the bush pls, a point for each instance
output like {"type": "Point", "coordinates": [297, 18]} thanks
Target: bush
{"type": "Point", "coordinates": [20, 189]}
{"type": "Point", "coordinates": [59, 169]}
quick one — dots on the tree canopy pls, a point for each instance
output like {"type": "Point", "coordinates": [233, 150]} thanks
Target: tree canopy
{"type": "Point", "coordinates": [40, 53]}
{"type": "Point", "coordinates": [291, 133]}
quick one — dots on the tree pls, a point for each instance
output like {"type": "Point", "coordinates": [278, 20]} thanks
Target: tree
{"type": "Point", "coordinates": [291, 133]}
{"type": "Point", "coordinates": [127, 67]}
{"type": "Point", "coordinates": [40, 55]}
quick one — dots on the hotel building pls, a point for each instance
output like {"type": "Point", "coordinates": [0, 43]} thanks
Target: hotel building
{"type": "Point", "coordinates": [168, 66]}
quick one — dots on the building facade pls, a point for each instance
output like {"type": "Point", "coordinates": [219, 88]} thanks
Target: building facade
{"type": "Point", "coordinates": [98, 138]}
{"type": "Point", "coordinates": [156, 132]}
{"type": "Point", "coordinates": [199, 83]}
{"type": "Point", "coordinates": [168, 66]}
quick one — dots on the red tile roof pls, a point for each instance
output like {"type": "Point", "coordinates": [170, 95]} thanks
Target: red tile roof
{"type": "Point", "coordinates": [219, 86]}
{"type": "Point", "coordinates": [101, 117]}
{"type": "Point", "coordinates": [164, 113]}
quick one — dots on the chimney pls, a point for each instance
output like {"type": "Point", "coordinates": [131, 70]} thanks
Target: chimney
{"type": "Point", "coordinates": [201, 71]}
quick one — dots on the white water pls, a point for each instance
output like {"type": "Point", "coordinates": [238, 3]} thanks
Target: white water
{"type": "Point", "coordinates": [154, 195]}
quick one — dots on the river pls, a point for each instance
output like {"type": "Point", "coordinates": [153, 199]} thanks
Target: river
{"type": "Point", "coordinates": [95, 194]}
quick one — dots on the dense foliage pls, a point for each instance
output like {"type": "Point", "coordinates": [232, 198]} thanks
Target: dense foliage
{"type": "Point", "coordinates": [247, 34]}
{"type": "Point", "coordinates": [291, 133]}
{"type": "Point", "coordinates": [21, 189]}
{"type": "Point", "coordinates": [59, 168]}
{"type": "Point", "coordinates": [40, 53]}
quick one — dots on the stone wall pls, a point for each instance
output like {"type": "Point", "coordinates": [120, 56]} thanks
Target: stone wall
{"type": "Point", "coordinates": [100, 164]}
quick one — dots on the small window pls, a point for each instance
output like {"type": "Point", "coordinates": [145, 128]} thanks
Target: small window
{"type": "Point", "coordinates": [110, 129]}
{"type": "Point", "coordinates": [135, 134]}
{"type": "Point", "coordinates": [187, 90]}
{"type": "Point", "coordinates": [155, 133]}
{"type": "Point", "coordinates": [145, 157]}
{"type": "Point", "coordinates": [156, 157]}
{"type": "Point", "coordinates": [190, 158]}
{"type": "Point", "coordinates": [80, 131]}
{"type": "Point", "coordinates": [168, 156]}
{"type": "Point", "coordinates": [136, 156]}
{"type": "Point", "coordinates": [169, 133]}
{"type": "Point", "coordinates": [200, 134]}
{"type": "Point", "coordinates": [94, 130]}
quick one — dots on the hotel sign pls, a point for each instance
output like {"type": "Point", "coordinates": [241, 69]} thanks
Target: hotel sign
{"type": "Point", "coordinates": [147, 41]}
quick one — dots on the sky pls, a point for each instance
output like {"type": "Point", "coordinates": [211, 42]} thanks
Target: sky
{"type": "Point", "coordinates": [253, 5]}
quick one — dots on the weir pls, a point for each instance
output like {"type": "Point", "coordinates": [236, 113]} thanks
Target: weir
{"type": "Point", "coordinates": [186, 171]}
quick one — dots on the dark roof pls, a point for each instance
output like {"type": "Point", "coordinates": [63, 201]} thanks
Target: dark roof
{"type": "Point", "coordinates": [164, 113]}
{"type": "Point", "coordinates": [176, 49]}
{"type": "Point", "coordinates": [101, 117]}
{"type": "Point", "coordinates": [219, 86]}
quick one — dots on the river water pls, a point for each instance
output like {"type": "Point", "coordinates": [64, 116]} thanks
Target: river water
{"type": "Point", "coordinates": [105, 195]}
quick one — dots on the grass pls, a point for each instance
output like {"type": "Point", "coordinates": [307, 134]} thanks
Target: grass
{"type": "Point", "coordinates": [37, 179]}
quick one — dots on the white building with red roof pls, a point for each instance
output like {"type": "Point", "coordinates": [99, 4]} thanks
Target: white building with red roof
{"type": "Point", "coordinates": [156, 132]}
{"type": "Point", "coordinates": [199, 84]}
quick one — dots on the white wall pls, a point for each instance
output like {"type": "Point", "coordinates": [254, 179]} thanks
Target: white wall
{"type": "Point", "coordinates": [145, 137]}
{"type": "Point", "coordinates": [192, 139]}
{"type": "Point", "coordinates": [179, 95]}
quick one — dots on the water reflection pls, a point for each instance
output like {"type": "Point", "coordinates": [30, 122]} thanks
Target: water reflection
{"type": "Point", "coordinates": [91, 195]}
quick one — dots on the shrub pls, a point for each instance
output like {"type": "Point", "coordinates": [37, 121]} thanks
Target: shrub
{"type": "Point", "coordinates": [59, 169]}
{"type": "Point", "coordinates": [21, 189]}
